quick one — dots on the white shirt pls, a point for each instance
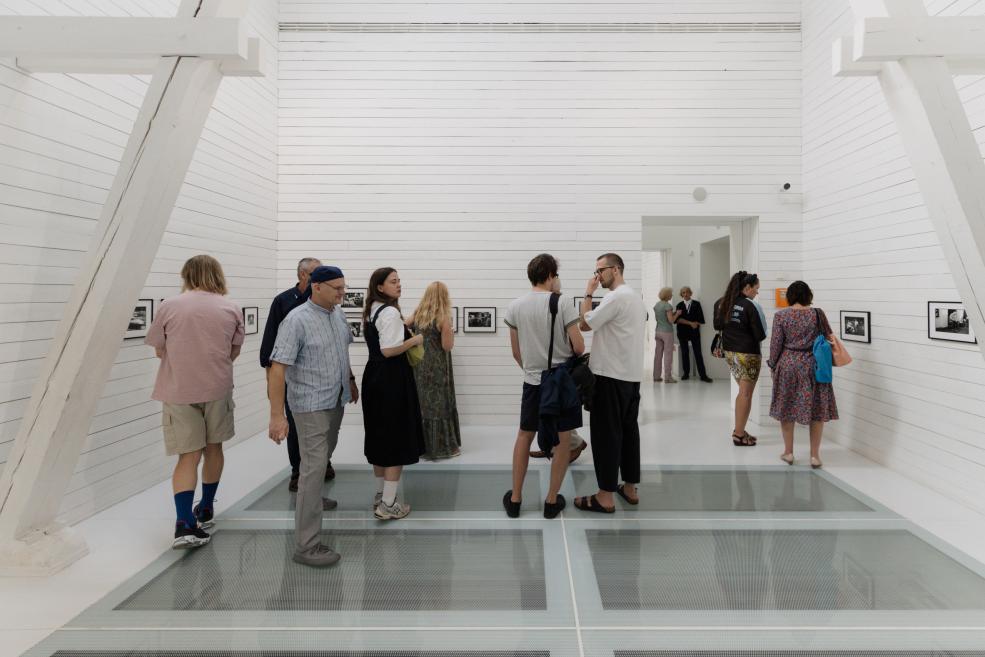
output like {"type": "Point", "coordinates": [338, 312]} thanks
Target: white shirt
{"type": "Point", "coordinates": [687, 306]}
{"type": "Point", "coordinates": [388, 325]}
{"type": "Point", "coordinates": [530, 315]}
{"type": "Point", "coordinates": [619, 324]}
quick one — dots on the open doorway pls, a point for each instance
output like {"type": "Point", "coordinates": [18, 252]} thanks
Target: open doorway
{"type": "Point", "coordinates": [700, 253]}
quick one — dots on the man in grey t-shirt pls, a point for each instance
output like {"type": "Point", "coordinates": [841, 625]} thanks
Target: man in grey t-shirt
{"type": "Point", "coordinates": [529, 320]}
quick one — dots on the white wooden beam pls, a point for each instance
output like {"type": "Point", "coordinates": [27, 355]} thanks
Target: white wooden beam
{"type": "Point", "coordinates": [843, 64]}
{"type": "Point", "coordinates": [56, 421]}
{"type": "Point", "coordinates": [887, 39]}
{"type": "Point", "coordinates": [939, 142]}
{"type": "Point", "coordinates": [116, 38]}
{"type": "Point", "coordinates": [256, 64]}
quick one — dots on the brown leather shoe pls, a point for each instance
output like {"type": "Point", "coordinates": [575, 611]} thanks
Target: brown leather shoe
{"type": "Point", "coordinates": [576, 452]}
{"type": "Point", "coordinates": [538, 454]}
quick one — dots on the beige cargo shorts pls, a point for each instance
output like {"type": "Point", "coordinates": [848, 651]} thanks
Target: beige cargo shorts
{"type": "Point", "coordinates": [190, 427]}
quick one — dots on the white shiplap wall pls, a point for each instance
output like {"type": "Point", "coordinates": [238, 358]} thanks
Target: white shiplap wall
{"type": "Point", "coordinates": [61, 137]}
{"type": "Point", "coordinates": [458, 156]}
{"type": "Point", "coordinates": [910, 403]}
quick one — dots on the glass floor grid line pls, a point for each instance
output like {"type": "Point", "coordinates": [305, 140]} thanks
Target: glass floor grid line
{"type": "Point", "coordinates": [779, 576]}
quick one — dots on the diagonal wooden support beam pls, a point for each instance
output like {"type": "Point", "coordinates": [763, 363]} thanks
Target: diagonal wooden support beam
{"type": "Point", "coordinates": [946, 160]}
{"type": "Point", "coordinates": [134, 218]}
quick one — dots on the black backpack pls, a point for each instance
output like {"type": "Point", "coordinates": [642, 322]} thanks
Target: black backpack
{"type": "Point", "coordinates": [578, 367]}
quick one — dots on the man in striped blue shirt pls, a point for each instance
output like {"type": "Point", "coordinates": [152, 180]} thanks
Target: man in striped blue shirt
{"type": "Point", "coordinates": [312, 355]}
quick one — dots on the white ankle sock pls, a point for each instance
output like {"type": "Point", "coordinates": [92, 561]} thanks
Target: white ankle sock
{"type": "Point", "coordinates": [390, 492]}
{"type": "Point", "coordinates": [379, 484]}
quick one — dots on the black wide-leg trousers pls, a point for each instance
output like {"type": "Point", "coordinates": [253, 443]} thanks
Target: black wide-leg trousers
{"type": "Point", "coordinates": [615, 432]}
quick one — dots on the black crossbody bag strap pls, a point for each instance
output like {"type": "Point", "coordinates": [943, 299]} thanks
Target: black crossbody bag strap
{"type": "Point", "coordinates": [553, 306]}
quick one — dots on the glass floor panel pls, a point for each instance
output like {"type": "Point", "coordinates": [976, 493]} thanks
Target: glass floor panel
{"type": "Point", "coordinates": [748, 490]}
{"type": "Point", "coordinates": [401, 570]}
{"type": "Point", "coordinates": [437, 490]}
{"type": "Point", "coordinates": [802, 569]}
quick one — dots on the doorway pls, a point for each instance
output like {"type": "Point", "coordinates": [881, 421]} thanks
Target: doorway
{"type": "Point", "coordinates": [701, 253]}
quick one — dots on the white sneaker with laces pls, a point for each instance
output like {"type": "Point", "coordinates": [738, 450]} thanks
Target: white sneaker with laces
{"type": "Point", "coordinates": [393, 511]}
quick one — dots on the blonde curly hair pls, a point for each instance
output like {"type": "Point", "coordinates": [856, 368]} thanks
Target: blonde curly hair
{"type": "Point", "coordinates": [435, 306]}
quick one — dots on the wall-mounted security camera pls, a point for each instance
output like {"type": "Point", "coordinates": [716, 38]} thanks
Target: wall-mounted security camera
{"type": "Point", "coordinates": [786, 186]}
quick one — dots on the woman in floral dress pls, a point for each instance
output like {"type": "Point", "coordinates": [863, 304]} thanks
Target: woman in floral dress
{"type": "Point", "coordinates": [797, 396]}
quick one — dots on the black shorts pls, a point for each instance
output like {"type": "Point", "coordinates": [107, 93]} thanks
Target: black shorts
{"type": "Point", "coordinates": [530, 412]}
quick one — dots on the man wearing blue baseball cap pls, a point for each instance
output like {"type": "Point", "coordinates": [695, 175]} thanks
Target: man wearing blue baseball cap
{"type": "Point", "coordinates": [312, 355]}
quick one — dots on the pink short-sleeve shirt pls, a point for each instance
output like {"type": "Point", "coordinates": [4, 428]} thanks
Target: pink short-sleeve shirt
{"type": "Point", "coordinates": [196, 332]}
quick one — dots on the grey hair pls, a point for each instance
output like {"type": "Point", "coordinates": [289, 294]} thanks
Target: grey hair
{"type": "Point", "coordinates": [304, 264]}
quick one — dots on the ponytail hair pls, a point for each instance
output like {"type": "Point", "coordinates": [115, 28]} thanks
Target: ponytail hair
{"type": "Point", "coordinates": [736, 284]}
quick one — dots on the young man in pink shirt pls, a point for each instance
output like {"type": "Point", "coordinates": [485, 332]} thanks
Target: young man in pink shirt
{"type": "Point", "coordinates": [197, 335]}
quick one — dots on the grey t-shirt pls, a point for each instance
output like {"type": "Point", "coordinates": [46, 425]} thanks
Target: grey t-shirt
{"type": "Point", "coordinates": [530, 315]}
{"type": "Point", "coordinates": [660, 312]}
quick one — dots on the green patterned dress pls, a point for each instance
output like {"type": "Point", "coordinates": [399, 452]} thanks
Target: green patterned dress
{"type": "Point", "coordinates": [436, 390]}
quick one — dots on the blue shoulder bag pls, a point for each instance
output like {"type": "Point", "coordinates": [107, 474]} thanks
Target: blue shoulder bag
{"type": "Point", "coordinates": [823, 358]}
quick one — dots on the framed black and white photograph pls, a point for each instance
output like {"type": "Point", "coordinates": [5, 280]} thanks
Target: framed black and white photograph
{"type": "Point", "coordinates": [354, 299]}
{"type": "Point", "coordinates": [595, 302]}
{"type": "Point", "coordinates": [480, 319]}
{"type": "Point", "coordinates": [855, 326]}
{"type": "Point", "coordinates": [454, 319]}
{"type": "Point", "coordinates": [140, 319]}
{"type": "Point", "coordinates": [355, 322]}
{"type": "Point", "coordinates": [948, 320]}
{"type": "Point", "coordinates": [251, 320]}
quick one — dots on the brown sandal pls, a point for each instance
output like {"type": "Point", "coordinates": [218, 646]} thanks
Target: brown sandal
{"type": "Point", "coordinates": [622, 493]}
{"type": "Point", "coordinates": [591, 503]}
{"type": "Point", "coordinates": [745, 440]}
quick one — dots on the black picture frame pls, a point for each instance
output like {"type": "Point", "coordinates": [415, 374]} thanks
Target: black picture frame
{"type": "Point", "coordinates": [454, 319]}
{"type": "Point", "coordinates": [948, 321]}
{"type": "Point", "coordinates": [251, 313]}
{"type": "Point", "coordinates": [354, 299]}
{"type": "Point", "coordinates": [595, 302]}
{"type": "Point", "coordinates": [140, 319]}
{"type": "Point", "coordinates": [355, 322]}
{"type": "Point", "coordinates": [479, 319]}
{"type": "Point", "coordinates": [855, 326]}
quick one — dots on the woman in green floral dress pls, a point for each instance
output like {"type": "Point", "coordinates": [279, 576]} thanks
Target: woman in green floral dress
{"type": "Point", "coordinates": [435, 377]}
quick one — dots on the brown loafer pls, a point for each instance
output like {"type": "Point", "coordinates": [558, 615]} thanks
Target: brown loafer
{"type": "Point", "coordinates": [538, 454]}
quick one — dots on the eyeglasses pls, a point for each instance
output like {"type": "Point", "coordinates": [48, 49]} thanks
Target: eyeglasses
{"type": "Point", "coordinates": [598, 272]}
{"type": "Point", "coordinates": [337, 288]}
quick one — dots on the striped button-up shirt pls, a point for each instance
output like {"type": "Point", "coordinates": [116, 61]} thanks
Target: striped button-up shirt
{"type": "Point", "coordinates": [314, 343]}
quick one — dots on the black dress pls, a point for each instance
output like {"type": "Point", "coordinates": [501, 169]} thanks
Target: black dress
{"type": "Point", "coordinates": [391, 409]}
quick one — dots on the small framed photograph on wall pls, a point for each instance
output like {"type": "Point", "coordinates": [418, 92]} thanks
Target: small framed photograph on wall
{"type": "Point", "coordinates": [355, 322]}
{"type": "Point", "coordinates": [251, 320]}
{"type": "Point", "coordinates": [354, 299]}
{"type": "Point", "coordinates": [140, 319]}
{"type": "Point", "coordinates": [454, 319]}
{"type": "Point", "coordinates": [855, 326]}
{"type": "Point", "coordinates": [948, 320]}
{"type": "Point", "coordinates": [595, 302]}
{"type": "Point", "coordinates": [480, 319]}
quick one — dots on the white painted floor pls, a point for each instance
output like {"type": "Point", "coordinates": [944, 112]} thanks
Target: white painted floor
{"type": "Point", "coordinates": [684, 423]}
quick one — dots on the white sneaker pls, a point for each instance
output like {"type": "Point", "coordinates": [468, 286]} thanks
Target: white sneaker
{"type": "Point", "coordinates": [393, 511]}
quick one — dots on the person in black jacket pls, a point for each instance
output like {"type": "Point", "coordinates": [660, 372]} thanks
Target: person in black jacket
{"type": "Point", "coordinates": [737, 317]}
{"type": "Point", "coordinates": [284, 303]}
{"type": "Point", "coordinates": [689, 333]}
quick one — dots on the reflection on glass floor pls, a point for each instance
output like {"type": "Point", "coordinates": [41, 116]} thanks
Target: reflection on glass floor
{"type": "Point", "coordinates": [761, 550]}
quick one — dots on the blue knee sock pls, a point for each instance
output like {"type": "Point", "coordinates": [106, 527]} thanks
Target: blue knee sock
{"type": "Point", "coordinates": [183, 505]}
{"type": "Point", "coordinates": [208, 495]}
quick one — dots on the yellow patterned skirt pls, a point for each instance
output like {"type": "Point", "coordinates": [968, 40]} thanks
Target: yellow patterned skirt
{"type": "Point", "coordinates": [744, 367]}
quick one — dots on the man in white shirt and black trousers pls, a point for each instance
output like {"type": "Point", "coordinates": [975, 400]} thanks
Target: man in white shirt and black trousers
{"type": "Point", "coordinates": [619, 325]}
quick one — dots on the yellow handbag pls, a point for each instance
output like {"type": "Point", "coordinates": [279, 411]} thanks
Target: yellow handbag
{"type": "Point", "coordinates": [415, 355]}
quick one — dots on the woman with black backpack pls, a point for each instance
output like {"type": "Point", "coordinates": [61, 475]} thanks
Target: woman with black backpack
{"type": "Point", "coordinates": [742, 331]}
{"type": "Point", "coordinates": [797, 395]}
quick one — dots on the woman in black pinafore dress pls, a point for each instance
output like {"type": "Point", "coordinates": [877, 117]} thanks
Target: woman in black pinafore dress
{"type": "Point", "coordinates": [391, 409]}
